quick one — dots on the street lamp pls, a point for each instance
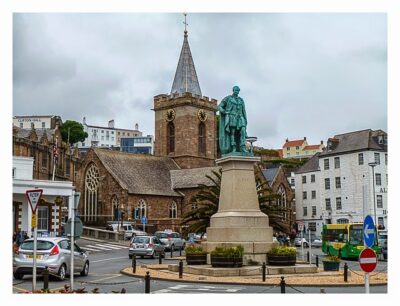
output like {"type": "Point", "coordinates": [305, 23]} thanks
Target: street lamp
{"type": "Point", "coordinates": [372, 165]}
{"type": "Point", "coordinates": [251, 140]}
{"type": "Point", "coordinates": [121, 215]}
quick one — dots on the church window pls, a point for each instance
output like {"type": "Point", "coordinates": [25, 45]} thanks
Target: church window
{"type": "Point", "coordinates": [170, 137]}
{"type": "Point", "coordinates": [172, 210]}
{"type": "Point", "coordinates": [142, 209]}
{"type": "Point", "coordinates": [91, 193]}
{"type": "Point", "coordinates": [202, 138]}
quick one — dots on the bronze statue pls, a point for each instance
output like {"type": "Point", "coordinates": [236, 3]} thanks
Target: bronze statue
{"type": "Point", "coordinates": [232, 125]}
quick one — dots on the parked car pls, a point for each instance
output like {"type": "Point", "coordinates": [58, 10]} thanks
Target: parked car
{"type": "Point", "coordinates": [171, 240]}
{"type": "Point", "coordinates": [129, 230]}
{"type": "Point", "coordinates": [382, 242]}
{"type": "Point", "coordinates": [317, 243]}
{"type": "Point", "coordinates": [51, 252]}
{"type": "Point", "coordinates": [146, 246]}
{"type": "Point", "coordinates": [299, 241]}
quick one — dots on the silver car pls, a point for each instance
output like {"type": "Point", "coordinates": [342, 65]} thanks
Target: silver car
{"type": "Point", "coordinates": [172, 240]}
{"type": "Point", "coordinates": [146, 246]}
{"type": "Point", "coordinates": [53, 253]}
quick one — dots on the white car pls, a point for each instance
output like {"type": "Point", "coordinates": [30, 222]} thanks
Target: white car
{"type": "Point", "coordinates": [317, 243]}
{"type": "Point", "coordinates": [299, 241]}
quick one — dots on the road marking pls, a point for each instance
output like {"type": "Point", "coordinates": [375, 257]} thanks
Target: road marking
{"type": "Point", "coordinates": [100, 260]}
{"type": "Point", "coordinates": [194, 288]}
{"type": "Point", "coordinates": [21, 289]}
{"type": "Point", "coordinates": [90, 249]}
{"type": "Point", "coordinates": [113, 246]}
{"type": "Point", "coordinates": [100, 247]}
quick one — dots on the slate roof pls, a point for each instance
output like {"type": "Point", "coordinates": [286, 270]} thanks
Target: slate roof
{"type": "Point", "coordinates": [191, 178]}
{"type": "Point", "coordinates": [24, 133]}
{"type": "Point", "coordinates": [354, 141]}
{"type": "Point", "coordinates": [185, 76]}
{"type": "Point", "coordinates": [270, 174]}
{"type": "Point", "coordinates": [139, 173]}
{"type": "Point", "coordinates": [312, 164]}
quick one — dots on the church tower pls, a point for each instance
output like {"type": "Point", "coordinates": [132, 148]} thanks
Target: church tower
{"type": "Point", "coordinates": [185, 121]}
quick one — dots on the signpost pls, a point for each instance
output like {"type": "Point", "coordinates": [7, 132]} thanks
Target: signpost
{"type": "Point", "coordinates": [77, 196]}
{"type": "Point", "coordinates": [369, 231]}
{"type": "Point", "coordinates": [33, 199]}
{"type": "Point", "coordinates": [144, 222]}
{"type": "Point", "coordinates": [367, 258]}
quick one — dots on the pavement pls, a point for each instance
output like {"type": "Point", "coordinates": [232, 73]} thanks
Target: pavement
{"type": "Point", "coordinates": [321, 278]}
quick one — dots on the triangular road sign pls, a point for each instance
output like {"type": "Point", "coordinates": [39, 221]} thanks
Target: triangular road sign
{"type": "Point", "coordinates": [33, 198]}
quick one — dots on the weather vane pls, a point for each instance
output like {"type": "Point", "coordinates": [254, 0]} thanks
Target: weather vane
{"type": "Point", "coordinates": [185, 23]}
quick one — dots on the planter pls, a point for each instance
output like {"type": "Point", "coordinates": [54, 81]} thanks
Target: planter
{"type": "Point", "coordinates": [196, 259]}
{"type": "Point", "coordinates": [281, 260]}
{"type": "Point", "coordinates": [331, 265]}
{"type": "Point", "coordinates": [226, 262]}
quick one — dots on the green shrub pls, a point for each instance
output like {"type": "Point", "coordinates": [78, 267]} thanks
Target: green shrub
{"type": "Point", "coordinates": [237, 251]}
{"type": "Point", "coordinates": [194, 249]}
{"type": "Point", "coordinates": [283, 250]}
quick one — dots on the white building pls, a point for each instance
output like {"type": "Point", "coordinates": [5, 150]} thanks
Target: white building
{"type": "Point", "coordinates": [331, 186]}
{"type": "Point", "coordinates": [39, 122]}
{"type": "Point", "coordinates": [48, 211]}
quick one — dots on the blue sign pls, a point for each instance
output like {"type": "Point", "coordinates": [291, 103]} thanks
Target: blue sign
{"type": "Point", "coordinates": [369, 231]}
{"type": "Point", "coordinates": [144, 220]}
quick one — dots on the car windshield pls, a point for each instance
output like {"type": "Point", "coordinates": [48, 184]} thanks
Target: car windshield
{"type": "Point", "coordinates": [163, 235]}
{"type": "Point", "coordinates": [141, 240]}
{"type": "Point", "coordinates": [41, 245]}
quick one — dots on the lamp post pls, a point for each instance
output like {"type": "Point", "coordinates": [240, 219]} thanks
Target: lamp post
{"type": "Point", "coordinates": [372, 165]}
{"type": "Point", "coordinates": [251, 140]}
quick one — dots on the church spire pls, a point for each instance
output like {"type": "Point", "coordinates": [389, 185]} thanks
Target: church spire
{"type": "Point", "coordinates": [185, 76]}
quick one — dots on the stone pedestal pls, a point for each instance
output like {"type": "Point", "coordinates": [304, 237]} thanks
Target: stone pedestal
{"type": "Point", "coordinates": [239, 219]}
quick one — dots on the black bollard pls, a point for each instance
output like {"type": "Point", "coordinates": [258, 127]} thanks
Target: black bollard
{"type": "Point", "coordinates": [346, 269]}
{"type": "Point", "coordinates": [160, 257]}
{"type": "Point", "coordinates": [180, 268]}
{"type": "Point", "coordinates": [45, 274]}
{"type": "Point", "coordinates": [316, 261]}
{"type": "Point", "coordinates": [264, 269]}
{"type": "Point", "coordinates": [172, 251]}
{"type": "Point", "coordinates": [283, 285]}
{"type": "Point", "coordinates": [147, 282]}
{"type": "Point", "coordinates": [134, 263]}
{"type": "Point", "coordinates": [308, 256]}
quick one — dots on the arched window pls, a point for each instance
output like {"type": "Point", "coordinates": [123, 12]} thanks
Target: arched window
{"type": "Point", "coordinates": [90, 208]}
{"type": "Point", "coordinates": [170, 138]}
{"type": "Point", "coordinates": [342, 221]}
{"type": "Point", "coordinates": [115, 206]}
{"type": "Point", "coordinates": [172, 210]}
{"type": "Point", "coordinates": [202, 138]}
{"type": "Point", "coordinates": [142, 209]}
{"type": "Point", "coordinates": [282, 200]}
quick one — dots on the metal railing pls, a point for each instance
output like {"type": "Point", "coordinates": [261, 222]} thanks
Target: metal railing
{"type": "Point", "coordinates": [102, 234]}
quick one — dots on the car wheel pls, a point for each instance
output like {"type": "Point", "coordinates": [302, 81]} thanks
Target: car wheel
{"type": "Point", "coordinates": [130, 256]}
{"type": "Point", "coordinates": [152, 255]}
{"type": "Point", "coordinates": [18, 275]}
{"type": "Point", "coordinates": [62, 272]}
{"type": "Point", "coordinates": [85, 270]}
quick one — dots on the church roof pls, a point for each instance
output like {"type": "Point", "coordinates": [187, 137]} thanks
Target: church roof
{"type": "Point", "coordinates": [191, 178]}
{"type": "Point", "coordinates": [24, 133]}
{"type": "Point", "coordinates": [270, 174]}
{"type": "Point", "coordinates": [185, 76]}
{"type": "Point", "coordinates": [139, 173]}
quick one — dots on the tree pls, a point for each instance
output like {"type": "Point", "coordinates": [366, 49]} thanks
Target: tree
{"type": "Point", "coordinates": [207, 199]}
{"type": "Point", "coordinates": [75, 131]}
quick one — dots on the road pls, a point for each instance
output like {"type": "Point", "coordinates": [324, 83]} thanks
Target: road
{"type": "Point", "coordinates": [108, 259]}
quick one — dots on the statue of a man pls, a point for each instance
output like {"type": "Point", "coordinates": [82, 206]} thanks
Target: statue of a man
{"type": "Point", "coordinates": [232, 125]}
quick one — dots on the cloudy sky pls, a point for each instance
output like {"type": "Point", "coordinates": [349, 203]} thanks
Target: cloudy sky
{"type": "Point", "coordinates": [313, 75]}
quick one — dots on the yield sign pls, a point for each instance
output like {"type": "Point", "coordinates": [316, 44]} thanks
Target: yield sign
{"type": "Point", "coordinates": [33, 198]}
{"type": "Point", "coordinates": [368, 260]}
{"type": "Point", "coordinates": [369, 231]}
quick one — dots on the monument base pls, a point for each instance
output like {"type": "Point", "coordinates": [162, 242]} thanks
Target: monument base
{"type": "Point", "coordinates": [239, 220]}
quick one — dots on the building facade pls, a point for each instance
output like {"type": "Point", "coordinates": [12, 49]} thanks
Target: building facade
{"type": "Point", "coordinates": [345, 182]}
{"type": "Point", "coordinates": [300, 148]}
{"type": "Point", "coordinates": [38, 122]}
{"type": "Point", "coordinates": [139, 144]}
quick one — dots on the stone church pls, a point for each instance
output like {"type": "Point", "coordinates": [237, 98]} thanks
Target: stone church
{"type": "Point", "coordinates": [117, 185]}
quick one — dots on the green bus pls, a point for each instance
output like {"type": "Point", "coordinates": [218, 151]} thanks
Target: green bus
{"type": "Point", "coordinates": [345, 240]}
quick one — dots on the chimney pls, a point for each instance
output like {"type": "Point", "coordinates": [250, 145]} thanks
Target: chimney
{"type": "Point", "coordinates": [305, 138]}
{"type": "Point", "coordinates": [287, 139]}
{"type": "Point", "coordinates": [111, 124]}
{"type": "Point", "coordinates": [322, 142]}
{"type": "Point", "coordinates": [84, 120]}
{"type": "Point", "coordinates": [137, 126]}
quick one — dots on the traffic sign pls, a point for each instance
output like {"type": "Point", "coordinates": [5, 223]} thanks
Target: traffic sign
{"type": "Point", "coordinates": [33, 198]}
{"type": "Point", "coordinates": [78, 230]}
{"type": "Point", "coordinates": [144, 220]}
{"type": "Point", "coordinates": [369, 231]}
{"type": "Point", "coordinates": [368, 260]}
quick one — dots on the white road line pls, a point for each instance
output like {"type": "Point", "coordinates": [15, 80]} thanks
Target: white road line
{"type": "Point", "coordinates": [100, 260]}
{"type": "Point", "coordinates": [112, 246]}
{"type": "Point", "coordinates": [90, 249]}
{"type": "Point", "coordinates": [98, 247]}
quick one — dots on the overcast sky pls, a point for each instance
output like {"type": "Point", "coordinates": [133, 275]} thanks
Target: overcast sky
{"type": "Point", "coordinates": [313, 75]}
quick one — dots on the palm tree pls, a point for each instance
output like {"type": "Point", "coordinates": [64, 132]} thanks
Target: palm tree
{"type": "Point", "coordinates": [207, 199]}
